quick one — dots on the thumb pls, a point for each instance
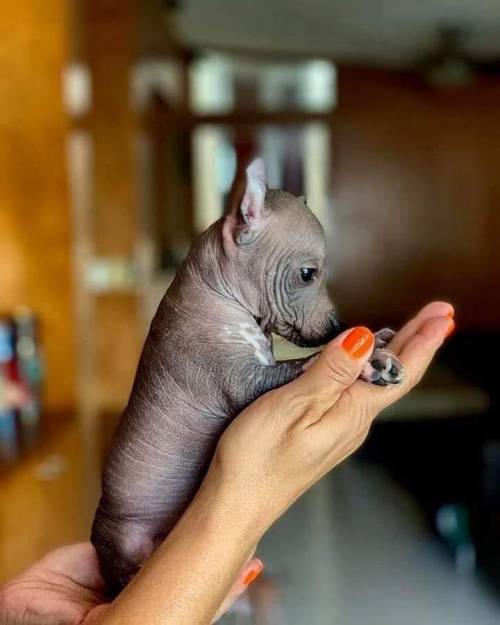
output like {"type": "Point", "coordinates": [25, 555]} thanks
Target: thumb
{"type": "Point", "coordinates": [338, 366]}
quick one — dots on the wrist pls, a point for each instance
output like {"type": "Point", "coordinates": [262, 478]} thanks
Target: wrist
{"type": "Point", "coordinates": [196, 564]}
{"type": "Point", "coordinates": [231, 507]}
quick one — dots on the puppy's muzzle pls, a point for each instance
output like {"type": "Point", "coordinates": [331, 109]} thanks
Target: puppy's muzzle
{"type": "Point", "coordinates": [335, 326]}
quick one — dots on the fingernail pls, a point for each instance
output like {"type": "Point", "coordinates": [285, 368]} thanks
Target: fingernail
{"type": "Point", "coordinates": [253, 574]}
{"type": "Point", "coordinates": [450, 329]}
{"type": "Point", "coordinates": [451, 314]}
{"type": "Point", "coordinates": [358, 342]}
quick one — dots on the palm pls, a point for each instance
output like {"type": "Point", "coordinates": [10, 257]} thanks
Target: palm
{"type": "Point", "coordinates": [64, 588]}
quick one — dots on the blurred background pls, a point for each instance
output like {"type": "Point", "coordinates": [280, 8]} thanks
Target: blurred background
{"type": "Point", "coordinates": [122, 126]}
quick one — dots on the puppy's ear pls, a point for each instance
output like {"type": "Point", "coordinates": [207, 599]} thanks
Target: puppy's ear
{"type": "Point", "coordinates": [249, 214]}
{"type": "Point", "coordinates": [253, 203]}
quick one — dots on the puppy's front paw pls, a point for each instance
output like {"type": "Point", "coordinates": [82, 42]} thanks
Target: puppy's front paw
{"type": "Point", "coordinates": [384, 337]}
{"type": "Point", "coordinates": [383, 369]}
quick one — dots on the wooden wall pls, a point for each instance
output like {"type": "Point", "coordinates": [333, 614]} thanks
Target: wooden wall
{"type": "Point", "coordinates": [111, 48]}
{"type": "Point", "coordinates": [35, 236]}
{"type": "Point", "coordinates": [416, 183]}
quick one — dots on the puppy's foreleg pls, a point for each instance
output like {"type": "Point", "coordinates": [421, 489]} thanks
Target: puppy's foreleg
{"type": "Point", "coordinates": [269, 377]}
{"type": "Point", "coordinates": [383, 369]}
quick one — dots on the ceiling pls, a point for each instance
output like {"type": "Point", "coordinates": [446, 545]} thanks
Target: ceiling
{"type": "Point", "coordinates": [383, 32]}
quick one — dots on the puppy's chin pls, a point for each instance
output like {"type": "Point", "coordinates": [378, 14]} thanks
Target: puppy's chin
{"type": "Point", "coordinates": [298, 339]}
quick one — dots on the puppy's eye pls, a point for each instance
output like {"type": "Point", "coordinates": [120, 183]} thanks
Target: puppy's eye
{"type": "Point", "coordinates": [307, 273]}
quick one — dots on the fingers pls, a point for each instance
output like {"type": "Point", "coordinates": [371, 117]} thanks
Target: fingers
{"type": "Point", "coordinates": [416, 356]}
{"type": "Point", "coordinates": [78, 563]}
{"type": "Point", "coordinates": [337, 367]}
{"type": "Point", "coordinates": [246, 576]}
{"type": "Point", "coordinates": [419, 349]}
{"type": "Point", "coordinates": [432, 310]}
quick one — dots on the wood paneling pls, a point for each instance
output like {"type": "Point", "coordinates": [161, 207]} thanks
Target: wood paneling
{"type": "Point", "coordinates": [35, 260]}
{"type": "Point", "coordinates": [110, 51]}
{"type": "Point", "coordinates": [118, 341]}
{"type": "Point", "coordinates": [417, 194]}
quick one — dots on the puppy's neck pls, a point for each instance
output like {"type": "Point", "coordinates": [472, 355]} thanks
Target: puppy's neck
{"type": "Point", "coordinates": [208, 264]}
{"type": "Point", "coordinates": [209, 281]}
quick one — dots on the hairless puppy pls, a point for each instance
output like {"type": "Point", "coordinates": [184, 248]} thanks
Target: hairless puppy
{"type": "Point", "coordinates": [259, 269]}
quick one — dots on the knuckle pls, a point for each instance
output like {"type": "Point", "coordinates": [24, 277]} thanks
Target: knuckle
{"type": "Point", "coordinates": [413, 377]}
{"type": "Point", "coordinates": [363, 435]}
{"type": "Point", "coordinates": [362, 425]}
{"type": "Point", "coordinates": [351, 427]}
{"type": "Point", "coordinates": [359, 432]}
{"type": "Point", "coordinates": [364, 406]}
{"type": "Point", "coordinates": [413, 380]}
{"type": "Point", "coordinates": [296, 406]}
{"type": "Point", "coordinates": [366, 416]}
{"type": "Point", "coordinates": [340, 371]}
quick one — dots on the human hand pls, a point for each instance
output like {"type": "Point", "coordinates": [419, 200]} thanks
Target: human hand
{"type": "Point", "coordinates": [63, 588]}
{"type": "Point", "coordinates": [271, 454]}
{"type": "Point", "coordinates": [66, 588]}
{"type": "Point", "coordinates": [290, 437]}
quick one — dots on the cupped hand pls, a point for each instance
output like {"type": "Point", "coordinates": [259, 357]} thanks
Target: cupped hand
{"type": "Point", "coordinates": [276, 449]}
{"type": "Point", "coordinates": [63, 588]}
{"type": "Point", "coordinates": [290, 437]}
{"type": "Point", "coordinates": [66, 588]}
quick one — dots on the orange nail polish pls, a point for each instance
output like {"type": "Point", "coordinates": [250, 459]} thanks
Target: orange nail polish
{"type": "Point", "coordinates": [451, 314]}
{"type": "Point", "coordinates": [450, 329]}
{"type": "Point", "coordinates": [358, 342]}
{"type": "Point", "coordinates": [253, 574]}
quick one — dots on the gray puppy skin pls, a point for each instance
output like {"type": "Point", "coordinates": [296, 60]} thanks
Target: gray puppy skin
{"type": "Point", "coordinates": [208, 354]}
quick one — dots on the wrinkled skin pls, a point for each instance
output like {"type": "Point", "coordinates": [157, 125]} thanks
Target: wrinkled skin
{"type": "Point", "coordinates": [207, 356]}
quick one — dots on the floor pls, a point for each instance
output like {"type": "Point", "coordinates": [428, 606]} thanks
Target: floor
{"type": "Point", "coordinates": [354, 551]}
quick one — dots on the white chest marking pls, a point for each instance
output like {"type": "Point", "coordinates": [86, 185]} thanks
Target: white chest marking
{"type": "Point", "coordinates": [253, 337]}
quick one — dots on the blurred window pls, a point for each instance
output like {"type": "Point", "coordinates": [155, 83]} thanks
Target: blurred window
{"type": "Point", "coordinates": [220, 83]}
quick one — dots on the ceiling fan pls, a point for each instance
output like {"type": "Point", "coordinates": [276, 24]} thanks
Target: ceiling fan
{"type": "Point", "coordinates": [451, 65]}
